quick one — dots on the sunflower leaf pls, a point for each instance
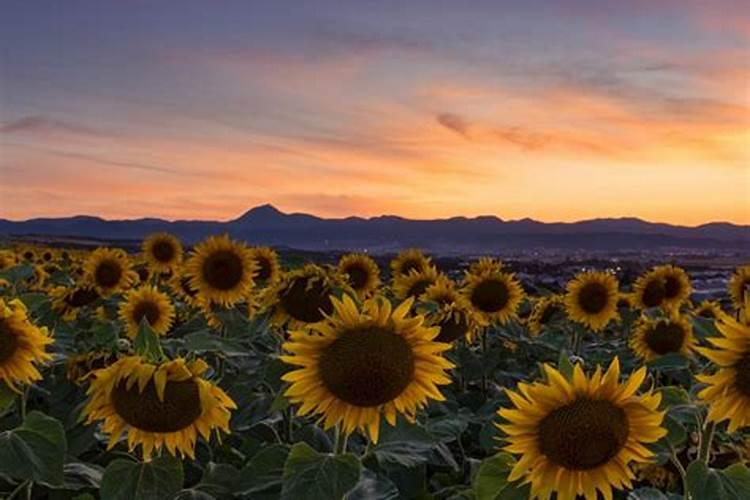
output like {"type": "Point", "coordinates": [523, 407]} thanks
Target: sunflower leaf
{"type": "Point", "coordinates": [323, 476]}
{"type": "Point", "coordinates": [35, 450]}
{"type": "Point", "coordinates": [491, 481]}
{"type": "Point", "coordinates": [159, 478]}
{"type": "Point", "coordinates": [147, 342]}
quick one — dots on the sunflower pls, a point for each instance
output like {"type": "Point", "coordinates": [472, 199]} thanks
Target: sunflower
{"type": "Point", "coordinates": [493, 295]}
{"type": "Point", "coordinates": [728, 391]}
{"type": "Point", "coordinates": [653, 338]}
{"type": "Point", "coordinates": [158, 405]}
{"type": "Point", "coordinates": [221, 270]}
{"type": "Point", "coordinates": [579, 437]}
{"type": "Point", "coordinates": [7, 260]}
{"type": "Point", "coordinates": [362, 273]}
{"type": "Point", "coordinates": [415, 283]}
{"type": "Point", "coordinates": [267, 263]}
{"type": "Point", "coordinates": [739, 286]}
{"type": "Point", "coordinates": [179, 284]}
{"type": "Point", "coordinates": [28, 254]}
{"type": "Point", "coordinates": [108, 270]}
{"type": "Point", "coordinates": [649, 290]}
{"type": "Point", "coordinates": [48, 255]}
{"type": "Point", "coordinates": [709, 309]}
{"type": "Point", "coordinates": [485, 264]}
{"type": "Point", "coordinates": [303, 296]}
{"type": "Point", "coordinates": [677, 287]}
{"type": "Point", "coordinates": [364, 363]}
{"type": "Point", "coordinates": [67, 302]}
{"type": "Point", "coordinates": [163, 252]}
{"type": "Point", "coordinates": [545, 309]}
{"type": "Point", "coordinates": [407, 261]}
{"type": "Point", "coordinates": [591, 299]}
{"type": "Point", "coordinates": [444, 307]}
{"type": "Point", "coordinates": [150, 304]}
{"type": "Point", "coordinates": [22, 345]}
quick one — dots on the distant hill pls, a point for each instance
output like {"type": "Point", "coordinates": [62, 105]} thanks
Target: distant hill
{"type": "Point", "coordinates": [458, 235]}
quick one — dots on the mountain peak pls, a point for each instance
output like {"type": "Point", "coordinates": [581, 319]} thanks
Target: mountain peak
{"type": "Point", "coordinates": [262, 211]}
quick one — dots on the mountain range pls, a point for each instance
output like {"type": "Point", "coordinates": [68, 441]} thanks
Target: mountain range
{"type": "Point", "coordinates": [457, 235]}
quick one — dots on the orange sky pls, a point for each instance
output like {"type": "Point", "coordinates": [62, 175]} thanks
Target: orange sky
{"type": "Point", "coordinates": [629, 118]}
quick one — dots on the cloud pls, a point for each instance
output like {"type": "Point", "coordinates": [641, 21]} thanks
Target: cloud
{"type": "Point", "coordinates": [42, 125]}
{"type": "Point", "coordinates": [525, 139]}
{"type": "Point", "coordinates": [454, 123]}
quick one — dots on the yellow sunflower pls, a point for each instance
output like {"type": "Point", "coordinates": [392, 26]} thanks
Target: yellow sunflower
{"type": "Point", "coordinates": [485, 264]}
{"type": "Point", "coordinates": [591, 299]}
{"type": "Point", "coordinates": [739, 286]}
{"type": "Point", "coordinates": [28, 254]}
{"type": "Point", "coordinates": [364, 363]}
{"type": "Point", "coordinates": [362, 273]}
{"type": "Point", "coordinates": [109, 271]}
{"type": "Point", "coordinates": [149, 303]}
{"type": "Point", "coordinates": [443, 306]}
{"type": "Point", "coordinates": [221, 270]}
{"type": "Point", "coordinates": [677, 286]}
{"type": "Point", "coordinates": [163, 252]}
{"type": "Point", "coordinates": [179, 284]}
{"type": "Point", "coordinates": [579, 437]}
{"type": "Point", "coordinates": [22, 345]}
{"type": "Point", "coordinates": [655, 337]}
{"type": "Point", "coordinates": [728, 391]}
{"type": "Point", "coordinates": [7, 260]}
{"type": "Point", "coordinates": [415, 283]}
{"type": "Point", "coordinates": [67, 302]}
{"type": "Point", "coordinates": [157, 405]}
{"type": "Point", "coordinates": [407, 261]}
{"type": "Point", "coordinates": [493, 295]}
{"type": "Point", "coordinates": [709, 309]}
{"type": "Point", "coordinates": [303, 296]}
{"type": "Point", "coordinates": [267, 263]}
{"type": "Point", "coordinates": [544, 311]}
{"type": "Point", "coordinates": [649, 290]}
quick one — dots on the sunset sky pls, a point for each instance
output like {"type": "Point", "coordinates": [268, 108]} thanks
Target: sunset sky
{"type": "Point", "coordinates": [557, 111]}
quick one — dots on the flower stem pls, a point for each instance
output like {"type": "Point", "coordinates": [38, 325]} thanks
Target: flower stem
{"type": "Point", "coordinates": [707, 438]}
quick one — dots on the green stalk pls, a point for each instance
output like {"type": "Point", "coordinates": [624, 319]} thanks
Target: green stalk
{"type": "Point", "coordinates": [707, 438]}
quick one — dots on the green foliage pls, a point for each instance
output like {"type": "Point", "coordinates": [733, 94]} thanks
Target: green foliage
{"type": "Point", "coordinates": [34, 451]}
{"type": "Point", "coordinates": [157, 479]}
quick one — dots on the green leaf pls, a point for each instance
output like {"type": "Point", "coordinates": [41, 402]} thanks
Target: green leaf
{"type": "Point", "coordinates": [7, 397]}
{"type": "Point", "coordinates": [17, 273]}
{"type": "Point", "coordinates": [704, 327]}
{"type": "Point", "coordinates": [206, 341]}
{"type": "Point", "coordinates": [147, 342]}
{"type": "Point", "coordinates": [671, 361]}
{"type": "Point", "coordinates": [491, 481]}
{"type": "Point", "coordinates": [309, 474]}
{"type": "Point", "coordinates": [35, 450]}
{"type": "Point", "coordinates": [404, 444]}
{"type": "Point", "coordinates": [732, 483]}
{"type": "Point", "coordinates": [80, 475]}
{"type": "Point", "coordinates": [647, 494]}
{"type": "Point", "coordinates": [374, 486]}
{"type": "Point", "coordinates": [155, 480]}
{"type": "Point", "coordinates": [264, 471]}
{"type": "Point", "coordinates": [564, 365]}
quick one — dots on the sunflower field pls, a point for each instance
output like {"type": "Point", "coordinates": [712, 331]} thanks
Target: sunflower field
{"type": "Point", "coordinates": [220, 372]}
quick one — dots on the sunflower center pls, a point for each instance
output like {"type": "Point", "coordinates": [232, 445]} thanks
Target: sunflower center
{"type": "Point", "coordinates": [367, 367]}
{"type": "Point", "coordinates": [410, 265]}
{"type": "Point", "coordinates": [307, 301]}
{"type": "Point", "coordinates": [654, 293]}
{"type": "Point", "coordinates": [665, 337]}
{"type": "Point", "coordinates": [418, 288]}
{"type": "Point", "coordinates": [451, 329]}
{"type": "Point", "coordinates": [742, 377]}
{"type": "Point", "coordinates": [358, 277]}
{"type": "Point", "coordinates": [264, 269]}
{"type": "Point", "coordinates": [81, 297]}
{"type": "Point", "coordinates": [146, 309]}
{"type": "Point", "coordinates": [584, 434]}
{"type": "Point", "coordinates": [490, 296]}
{"type": "Point", "coordinates": [163, 251]}
{"type": "Point", "coordinates": [223, 270]}
{"type": "Point", "coordinates": [143, 410]}
{"type": "Point", "coordinates": [8, 341]}
{"type": "Point", "coordinates": [672, 287]}
{"type": "Point", "coordinates": [108, 274]}
{"type": "Point", "coordinates": [707, 312]}
{"type": "Point", "coordinates": [593, 298]}
{"type": "Point", "coordinates": [28, 255]}
{"type": "Point", "coordinates": [47, 256]}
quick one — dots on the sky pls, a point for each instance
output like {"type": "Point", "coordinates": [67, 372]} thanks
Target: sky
{"type": "Point", "coordinates": [557, 111]}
